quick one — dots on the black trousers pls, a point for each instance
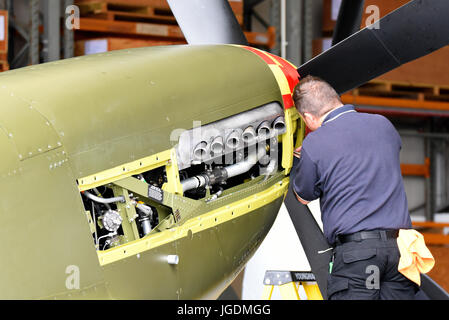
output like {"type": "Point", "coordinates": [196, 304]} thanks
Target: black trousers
{"type": "Point", "coordinates": [368, 270]}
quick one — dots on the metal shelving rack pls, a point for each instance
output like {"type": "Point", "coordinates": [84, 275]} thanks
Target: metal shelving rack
{"type": "Point", "coordinates": [32, 24]}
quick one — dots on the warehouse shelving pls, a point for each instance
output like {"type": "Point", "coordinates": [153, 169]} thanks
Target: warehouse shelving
{"type": "Point", "coordinates": [145, 22]}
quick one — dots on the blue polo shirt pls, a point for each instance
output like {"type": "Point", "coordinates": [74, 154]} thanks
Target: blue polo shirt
{"type": "Point", "coordinates": [352, 164]}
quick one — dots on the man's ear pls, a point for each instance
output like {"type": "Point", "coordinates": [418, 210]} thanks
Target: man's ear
{"type": "Point", "coordinates": [308, 118]}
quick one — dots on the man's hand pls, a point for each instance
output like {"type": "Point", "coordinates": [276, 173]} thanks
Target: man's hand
{"type": "Point", "coordinates": [297, 152]}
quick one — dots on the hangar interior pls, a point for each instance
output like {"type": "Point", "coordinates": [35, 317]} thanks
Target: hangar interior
{"type": "Point", "coordinates": [415, 96]}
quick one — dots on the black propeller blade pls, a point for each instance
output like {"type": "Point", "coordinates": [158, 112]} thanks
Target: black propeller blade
{"type": "Point", "coordinates": [312, 239]}
{"type": "Point", "coordinates": [410, 32]}
{"type": "Point", "coordinates": [349, 19]}
{"type": "Point", "coordinates": [207, 21]}
{"type": "Point", "coordinates": [432, 290]}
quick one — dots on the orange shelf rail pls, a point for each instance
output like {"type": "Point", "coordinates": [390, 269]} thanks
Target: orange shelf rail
{"type": "Point", "coordinates": [433, 232]}
{"type": "Point", "coordinates": [416, 169]}
{"type": "Point", "coordinates": [388, 105]}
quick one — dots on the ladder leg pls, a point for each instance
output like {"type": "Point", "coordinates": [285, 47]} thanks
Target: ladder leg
{"type": "Point", "coordinates": [289, 291]}
{"type": "Point", "coordinates": [312, 291]}
{"type": "Point", "coordinates": [267, 292]}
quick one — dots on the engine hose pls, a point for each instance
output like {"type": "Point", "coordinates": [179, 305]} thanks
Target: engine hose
{"type": "Point", "coordinates": [224, 173]}
{"type": "Point", "coordinates": [104, 200]}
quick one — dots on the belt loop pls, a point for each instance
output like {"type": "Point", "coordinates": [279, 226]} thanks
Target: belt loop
{"type": "Point", "coordinates": [383, 235]}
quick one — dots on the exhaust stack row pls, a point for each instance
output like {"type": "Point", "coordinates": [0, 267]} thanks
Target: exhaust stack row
{"type": "Point", "coordinates": [210, 141]}
{"type": "Point", "coordinates": [234, 139]}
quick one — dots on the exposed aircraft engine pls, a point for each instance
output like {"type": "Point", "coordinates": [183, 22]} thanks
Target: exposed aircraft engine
{"type": "Point", "coordinates": [212, 160]}
{"type": "Point", "coordinates": [219, 175]}
{"type": "Point", "coordinates": [108, 212]}
{"type": "Point", "coordinates": [225, 153]}
{"type": "Point", "coordinates": [210, 142]}
{"type": "Point", "coordinates": [145, 216]}
{"type": "Point", "coordinates": [111, 220]}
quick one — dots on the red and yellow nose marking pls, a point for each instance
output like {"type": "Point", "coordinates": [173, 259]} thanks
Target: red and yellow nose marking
{"type": "Point", "coordinates": [285, 73]}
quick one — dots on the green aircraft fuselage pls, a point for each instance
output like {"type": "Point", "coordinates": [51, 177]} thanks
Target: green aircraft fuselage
{"type": "Point", "coordinates": [72, 125]}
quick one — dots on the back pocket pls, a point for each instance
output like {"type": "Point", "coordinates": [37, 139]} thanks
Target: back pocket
{"type": "Point", "coordinates": [336, 285]}
{"type": "Point", "coordinates": [358, 255]}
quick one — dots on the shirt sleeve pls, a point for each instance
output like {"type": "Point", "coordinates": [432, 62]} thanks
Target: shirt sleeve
{"type": "Point", "coordinates": [304, 177]}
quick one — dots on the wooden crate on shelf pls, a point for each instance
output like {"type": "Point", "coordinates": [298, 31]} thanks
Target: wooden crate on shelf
{"type": "Point", "coordinates": [139, 10]}
{"type": "Point", "coordinates": [385, 7]}
{"type": "Point", "coordinates": [4, 66]}
{"type": "Point", "coordinates": [331, 8]}
{"type": "Point", "coordinates": [404, 90]}
{"type": "Point", "coordinates": [99, 45]}
{"type": "Point", "coordinates": [330, 14]}
{"type": "Point", "coordinates": [432, 69]}
{"type": "Point", "coordinates": [161, 31]}
{"type": "Point", "coordinates": [266, 40]}
{"type": "Point", "coordinates": [147, 20]}
{"type": "Point", "coordinates": [433, 232]}
{"type": "Point", "coordinates": [131, 28]}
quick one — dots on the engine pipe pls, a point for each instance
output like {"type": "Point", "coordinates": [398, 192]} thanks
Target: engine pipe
{"type": "Point", "coordinates": [221, 174]}
{"type": "Point", "coordinates": [104, 200]}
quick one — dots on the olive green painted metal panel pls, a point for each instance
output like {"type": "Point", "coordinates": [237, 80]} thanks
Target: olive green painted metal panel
{"type": "Point", "coordinates": [208, 260]}
{"type": "Point", "coordinates": [203, 271]}
{"type": "Point", "coordinates": [9, 160]}
{"type": "Point", "coordinates": [196, 282]}
{"type": "Point", "coordinates": [238, 240]}
{"type": "Point", "coordinates": [235, 233]}
{"type": "Point", "coordinates": [31, 133]}
{"type": "Point", "coordinates": [143, 276]}
{"type": "Point", "coordinates": [119, 106]}
{"type": "Point", "coordinates": [44, 233]}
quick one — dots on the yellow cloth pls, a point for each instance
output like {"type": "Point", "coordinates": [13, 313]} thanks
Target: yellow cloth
{"type": "Point", "coordinates": [415, 256]}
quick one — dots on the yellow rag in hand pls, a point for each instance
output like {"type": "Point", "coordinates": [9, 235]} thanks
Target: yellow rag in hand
{"type": "Point", "coordinates": [415, 256]}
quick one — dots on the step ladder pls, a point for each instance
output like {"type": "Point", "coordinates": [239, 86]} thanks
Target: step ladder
{"type": "Point", "coordinates": [289, 282]}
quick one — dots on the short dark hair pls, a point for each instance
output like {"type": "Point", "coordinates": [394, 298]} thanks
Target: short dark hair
{"type": "Point", "coordinates": [315, 96]}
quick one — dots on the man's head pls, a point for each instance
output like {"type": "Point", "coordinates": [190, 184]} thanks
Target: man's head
{"type": "Point", "coordinates": [314, 98]}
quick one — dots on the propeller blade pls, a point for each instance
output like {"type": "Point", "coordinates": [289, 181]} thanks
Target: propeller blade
{"type": "Point", "coordinates": [432, 289]}
{"type": "Point", "coordinates": [207, 22]}
{"type": "Point", "coordinates": [349, 19]}
{"type": "Point", "coordinates": [312, 239]}
{"type": "Point", "coordinates": [410, 32]}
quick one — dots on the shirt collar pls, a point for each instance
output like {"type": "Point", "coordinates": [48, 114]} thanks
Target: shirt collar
{"type": "Point", "coordinates": [338, 112]}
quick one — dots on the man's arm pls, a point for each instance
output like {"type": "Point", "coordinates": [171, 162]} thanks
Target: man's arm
{"type": "Point", "coordinates": [304, 177]}
{"type": "Point", "coordinates": [297, 154]}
